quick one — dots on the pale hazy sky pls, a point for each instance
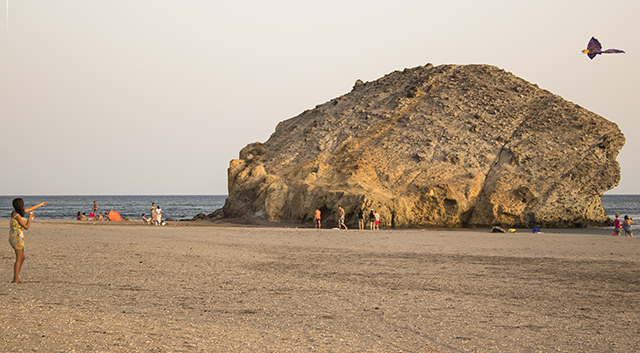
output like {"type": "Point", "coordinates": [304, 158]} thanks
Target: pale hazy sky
{"type": "Point", "coordinates": [135, 97]}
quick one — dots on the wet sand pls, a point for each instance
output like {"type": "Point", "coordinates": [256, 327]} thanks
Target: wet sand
{"type": "Point", "coordinates": [195, 287]}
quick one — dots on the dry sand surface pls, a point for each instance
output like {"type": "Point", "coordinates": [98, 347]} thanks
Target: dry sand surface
{"type": "Point", "coordinates": [125, 287]}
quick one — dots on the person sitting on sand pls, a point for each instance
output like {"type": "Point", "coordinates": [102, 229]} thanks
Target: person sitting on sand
{"type": "Point", "coordinates": [79, 217]}
{"type": "Point", "coordinates": [99, 217]}
{"type": "Point", "coordinates": [145, 219]}
{"type": "Point", "coordinates": [83, 217]}
{"type": "Point", "coordinates": [627, 226]}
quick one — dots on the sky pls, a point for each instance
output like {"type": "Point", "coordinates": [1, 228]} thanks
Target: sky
{"type": "Point", "coordinates": [156, 97]}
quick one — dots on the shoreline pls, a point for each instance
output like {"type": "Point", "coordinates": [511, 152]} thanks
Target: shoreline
{"type": "Point", "coordinates": [267, 224]}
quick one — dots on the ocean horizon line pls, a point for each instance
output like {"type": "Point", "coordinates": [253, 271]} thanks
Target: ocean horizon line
{"type": "Point", "coordinates": [118, 195]}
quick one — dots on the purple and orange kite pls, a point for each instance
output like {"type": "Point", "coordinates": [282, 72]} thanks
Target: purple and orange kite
{"type": "Point", "coordinates": [594, 48]}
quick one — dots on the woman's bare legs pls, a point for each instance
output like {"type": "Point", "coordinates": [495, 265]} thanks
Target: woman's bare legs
{"type": "Point", "coordinates": [18, 265]}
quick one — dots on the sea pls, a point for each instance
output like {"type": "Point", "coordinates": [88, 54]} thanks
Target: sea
{"type": "Point", "coordinates": [184, 207]}
{"type": "Point", "coordinates": [174, 207]}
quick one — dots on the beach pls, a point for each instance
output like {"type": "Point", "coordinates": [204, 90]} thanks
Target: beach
{"type": "Point", "coordinates": [202, 287]}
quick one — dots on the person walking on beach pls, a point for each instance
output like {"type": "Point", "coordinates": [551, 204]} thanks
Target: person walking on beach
{"type": "Point", "coordinates": [341, 218]}
{"type": "Point", "coordinates": [617, 226]}
{"type": "Point", "coordinates": [317, 217]}
{"type": "Point", "coordinates": [627, 226]}
{"type": "Point", "coordinates": [377, 217]}
{"type": "Point", "coordinates": [16, 233]}
{"type": "Point", "coordinates": [94, 209]}
{"type": "Point", "coordinates": [361, 219]}
{"type": "Point", "coordinates": [372, 220]}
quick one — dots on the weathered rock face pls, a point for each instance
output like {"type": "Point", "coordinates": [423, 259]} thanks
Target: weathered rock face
{"type": "Point", "coordinates": [446, 146]}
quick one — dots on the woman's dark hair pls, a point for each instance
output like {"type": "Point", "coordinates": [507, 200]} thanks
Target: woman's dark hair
{"type": "Point", "coordinates": [18, 206]}
{"type": "Point", "coordinates": [626, 217]}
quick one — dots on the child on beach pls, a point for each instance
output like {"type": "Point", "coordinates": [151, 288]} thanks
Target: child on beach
{"type": "Point", "coordinates": [627, 226]}
{"type": "Point", "coordinates": [16, 233]}
{"type": "Point", "coordinates": [617, 226]}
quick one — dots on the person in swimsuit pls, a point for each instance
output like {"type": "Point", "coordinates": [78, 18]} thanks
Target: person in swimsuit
{"type": "Point", "coordinates": [94, 209]}
{"type": "Point", "coordinates": [16, 233]}
{"type": "Point", "coordinates": [318, 216]}
{"type": "Point", "coordinates": [626, 225]}
{"type": "Point", "coordinates": [153, 213]}
{"type": "Point", "coordinates": [341, 214]}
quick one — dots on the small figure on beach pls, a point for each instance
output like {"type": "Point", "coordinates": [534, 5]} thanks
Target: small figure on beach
{"type": "Point", "coordinates": [360, 219]}
{"type": "Point", "coordinates": [16, 232]}
{"type": "Point", "coordinates": [377, 218]}
{"type": "Point", "coordinates": [145, 219]}
{"type": "Point", "coordinates": [81, 216]}
{"type": "Point", "coordinates": [100, 218]}
{"type": "Point", "coordinates": [626, 225]}
{"type": "Point", "coordinates": [617, 226]}
{"type": "Point", "coordinates": [317, 218]}
{"type": "Point", "coordinates": [372, 220]}
{"type": "Point", "coordinates": [94, 209]}
{"type": "Point", "coordinates": [497, 229]}
{"type": "Point", "coordinates": [153, 213]}
{"type": "Point", "coordinates": [158, 216]}
{"type": "Point", "coordinates": [341, 215]}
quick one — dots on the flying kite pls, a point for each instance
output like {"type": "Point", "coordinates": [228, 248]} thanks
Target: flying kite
{"type": "Point", "coordinates": [594, 48]}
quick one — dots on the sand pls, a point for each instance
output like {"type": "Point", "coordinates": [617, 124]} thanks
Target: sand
{"type": "Point", "coordinates": [126, 287]}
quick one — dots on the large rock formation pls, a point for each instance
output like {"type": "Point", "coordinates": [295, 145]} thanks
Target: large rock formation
{"type": "Point", "coordinates": [446, 146]}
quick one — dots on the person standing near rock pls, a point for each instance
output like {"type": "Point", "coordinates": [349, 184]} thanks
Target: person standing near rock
{"type": "Point", "coordinates": [341, 218]}
{"type": "Point", "coordinates": [627, 226]}
{"type": "Point", "coordinates": [372, 220]}
{"type": "Point", "coordinates": [318, 217]}
{"type": "Point", "coordinates": [377, 217]}
{"type": "Point", "coordinates": [617, 226]}
{"type": "Point", "coordinates": [360, 219]}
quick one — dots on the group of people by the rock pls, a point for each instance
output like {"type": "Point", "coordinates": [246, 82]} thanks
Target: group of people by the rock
{"type": "Point", "coordinates": [619, 225]}
{"type": "Point", "coordinates": [374, 219]}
